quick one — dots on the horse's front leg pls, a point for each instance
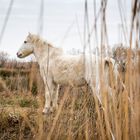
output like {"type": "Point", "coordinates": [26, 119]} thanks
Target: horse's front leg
{"type": "Point", "coordinates": [55, 97]}
{"type": "Point", "coordinates": [51, 96]}
{"type": "Point", "coordinates": [47, 100]}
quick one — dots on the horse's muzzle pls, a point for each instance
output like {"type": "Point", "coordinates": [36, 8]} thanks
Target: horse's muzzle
{"type": "Point", "coordinates": [19, 55]}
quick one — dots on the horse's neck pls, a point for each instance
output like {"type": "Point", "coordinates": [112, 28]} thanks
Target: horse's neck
{"type": "Point", "coordinates": [44, 53]}
{"type": "Point", "coordinates": [39, 53]}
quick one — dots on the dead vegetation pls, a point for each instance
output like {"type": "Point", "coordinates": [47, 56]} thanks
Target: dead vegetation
{"type": "Point", "coordinates": [80, 114]}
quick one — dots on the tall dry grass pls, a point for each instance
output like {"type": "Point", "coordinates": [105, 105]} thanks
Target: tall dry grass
{"type": "Point", "coordinates": [80, 114]}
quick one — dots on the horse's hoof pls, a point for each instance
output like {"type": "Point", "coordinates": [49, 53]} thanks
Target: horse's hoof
{"type": "Point", "coordinates": [53, 108]}
{"type": "Point", "coordinates": [46, 111]}
{"type": "Point", "coordinates": [56, 107]}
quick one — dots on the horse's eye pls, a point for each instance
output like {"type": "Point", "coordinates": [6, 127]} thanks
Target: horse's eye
{"type": "Point", "coordinates": [25, 42]}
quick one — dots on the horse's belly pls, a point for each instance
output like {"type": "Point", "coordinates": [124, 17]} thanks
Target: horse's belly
{"type": "Point", "coordinates": [69, 79]}
{"type": "Point", "coordinates": [69, 71]}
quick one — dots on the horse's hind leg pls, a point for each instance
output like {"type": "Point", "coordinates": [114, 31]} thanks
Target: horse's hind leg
{"type": "Point", "coordinates": [51, 97]}
{"type": "Point", "coordinates": [55, 97]}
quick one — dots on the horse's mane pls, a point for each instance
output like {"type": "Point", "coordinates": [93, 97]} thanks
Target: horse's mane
{"type": "Point", "coordinates": [39, 42]}
{"type": "Point", "coordinates": [36, 39]}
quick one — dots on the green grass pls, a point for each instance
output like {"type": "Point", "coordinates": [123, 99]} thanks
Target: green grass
{"type": "Point", "coordinates": [28, 103]}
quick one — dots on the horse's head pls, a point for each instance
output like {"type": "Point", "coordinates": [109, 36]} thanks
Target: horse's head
{"type": "Point", "coordinates": [27, 47]}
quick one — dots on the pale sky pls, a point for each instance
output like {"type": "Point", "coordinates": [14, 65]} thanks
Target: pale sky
{"type": "Point", "coordinates": [59, 16]}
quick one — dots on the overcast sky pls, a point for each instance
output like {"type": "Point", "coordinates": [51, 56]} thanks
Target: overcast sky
{"type": "Point", "coordinates": [60, 18]}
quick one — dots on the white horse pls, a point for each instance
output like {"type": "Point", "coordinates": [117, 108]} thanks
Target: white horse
{"type": "Point", "coordinates": [56, 68]}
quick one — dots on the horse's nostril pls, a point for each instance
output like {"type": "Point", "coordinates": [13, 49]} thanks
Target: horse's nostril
{"type": "Point", "coordinates": [19, 54]}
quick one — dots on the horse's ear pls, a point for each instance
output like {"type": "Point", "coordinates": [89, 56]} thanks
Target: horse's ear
{"type": "Point", "coordinates": [29, 33]}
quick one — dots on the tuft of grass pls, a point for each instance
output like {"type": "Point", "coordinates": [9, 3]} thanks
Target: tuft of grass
{"type": "Point", "coordinates": [6, 102]}
{"type": "Point", "coordinates": [28, 103]}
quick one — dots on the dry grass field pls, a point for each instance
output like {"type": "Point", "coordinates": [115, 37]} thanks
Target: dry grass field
{"type": "Point", "coordinates": [80, 114]}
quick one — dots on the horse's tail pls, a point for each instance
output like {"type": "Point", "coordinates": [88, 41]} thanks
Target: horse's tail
{"type": "Point", "coordinates": [111, 72]}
